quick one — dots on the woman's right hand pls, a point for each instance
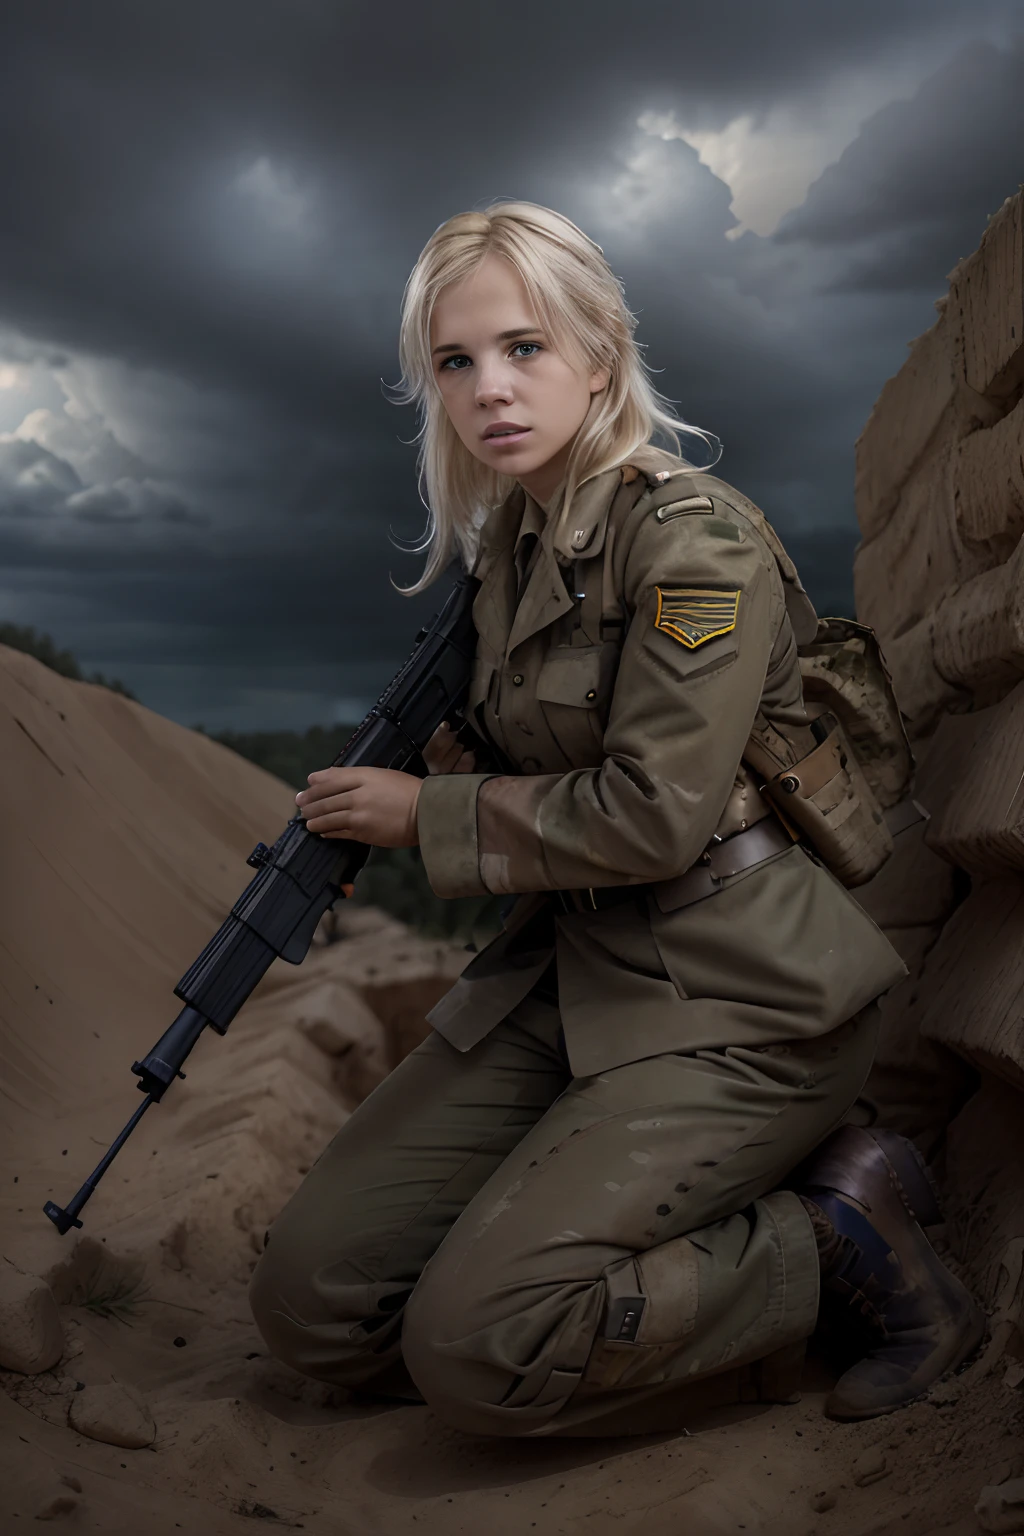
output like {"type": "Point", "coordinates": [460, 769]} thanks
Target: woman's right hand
{"type": "Point", "coordinates": [444, 753]}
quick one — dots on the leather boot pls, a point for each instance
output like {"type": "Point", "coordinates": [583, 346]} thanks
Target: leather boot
{"type": "Point", "coordinates": [868, 1193]}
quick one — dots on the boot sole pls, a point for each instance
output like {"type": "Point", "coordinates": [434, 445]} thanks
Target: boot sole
{"type": "Point", "coordinates": [974, 1332]}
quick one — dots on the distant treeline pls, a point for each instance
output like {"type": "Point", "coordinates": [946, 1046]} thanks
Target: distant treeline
{"type": "Point", "coordinates": [289, 755]}
{"type": "Point", "coordinates": [22, 637]}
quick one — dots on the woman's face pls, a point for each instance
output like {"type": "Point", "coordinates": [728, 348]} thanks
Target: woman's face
{"type": "Point", "coordinates": [497, 370]}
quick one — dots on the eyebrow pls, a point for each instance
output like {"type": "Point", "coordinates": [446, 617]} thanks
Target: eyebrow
{"type": "Point", "coordinates": [458, 346]}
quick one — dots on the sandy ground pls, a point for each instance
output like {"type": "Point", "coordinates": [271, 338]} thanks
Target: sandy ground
{"type": "Point", "coordinates": [123, 838]}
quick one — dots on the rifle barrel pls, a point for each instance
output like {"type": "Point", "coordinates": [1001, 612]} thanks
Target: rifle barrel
{"type": "Point", "coordinates": [64, 1218]}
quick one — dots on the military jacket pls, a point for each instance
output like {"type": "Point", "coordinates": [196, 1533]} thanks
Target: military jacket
{"type": "Point", "coordinates": [623, 656]}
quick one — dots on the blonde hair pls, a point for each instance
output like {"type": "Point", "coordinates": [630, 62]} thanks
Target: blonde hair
{"type": "Point", "coordinates": [581, 305]}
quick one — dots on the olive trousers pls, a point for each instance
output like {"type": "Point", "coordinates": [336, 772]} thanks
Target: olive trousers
{"type": "Point", "coordinates": [545, 1254]}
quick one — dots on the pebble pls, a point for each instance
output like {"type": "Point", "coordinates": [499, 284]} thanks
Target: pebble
{"type": "Point", "coordinates": [31, 1337]}
{"type": "Point", "coordinates": [870, 1467]}
{"type": "Point", "coordinates": [115, 1414]}
{"type": "Point", "coordinates": [1001, 1509]}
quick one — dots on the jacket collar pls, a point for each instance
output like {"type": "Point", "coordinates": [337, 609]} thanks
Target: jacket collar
{"type": "Point", "coordinates": [581, 532]}
{"type": "Point", "coordinates": [580, 535]}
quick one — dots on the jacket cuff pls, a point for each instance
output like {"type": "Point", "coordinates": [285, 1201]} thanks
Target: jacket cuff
{"type": "Point", "coordinates": [446, 824]}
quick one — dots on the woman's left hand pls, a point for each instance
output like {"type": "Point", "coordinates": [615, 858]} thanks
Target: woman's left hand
{"type": "Point", "coordinates": [369, 805]}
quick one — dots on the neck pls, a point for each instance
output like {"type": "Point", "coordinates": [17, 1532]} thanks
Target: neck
{"type": "Point", "coordinates": [543, 483]}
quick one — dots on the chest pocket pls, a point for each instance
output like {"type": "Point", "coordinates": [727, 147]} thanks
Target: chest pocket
{"type": "Point", "coordinates": [574, 690]}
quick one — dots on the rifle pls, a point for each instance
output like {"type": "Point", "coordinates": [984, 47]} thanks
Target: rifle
{"type": "Point", "coordinates": [302, 875]}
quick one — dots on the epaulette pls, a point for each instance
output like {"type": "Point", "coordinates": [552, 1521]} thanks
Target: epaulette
{"type": "Point", "coordinates": [669, 503]}
{"type": "Point", "coordinates": [654, 477]}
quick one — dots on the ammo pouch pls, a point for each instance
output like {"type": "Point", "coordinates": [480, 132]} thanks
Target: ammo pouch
{"type": "Point", "coordinates": [832, 779]}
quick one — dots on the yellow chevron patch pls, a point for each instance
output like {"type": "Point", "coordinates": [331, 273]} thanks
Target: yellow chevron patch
{"type": "Point", "coordinates": [692, 615]}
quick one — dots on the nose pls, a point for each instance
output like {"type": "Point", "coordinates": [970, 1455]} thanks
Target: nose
{"type": "Point", "coordinates": [494, 382]}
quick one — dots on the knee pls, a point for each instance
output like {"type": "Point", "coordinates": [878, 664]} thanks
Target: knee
{"type": "Point", "coordinates": [447, 1355]}
{"type": "Point", "coordinates": [270, 1290]}
{"type": "Point", "coordinates": [316, 1326]}
{"type": "Point", "coordinates": [491, 1365]}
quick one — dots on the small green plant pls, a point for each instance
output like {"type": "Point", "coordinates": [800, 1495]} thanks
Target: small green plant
{"type": "Point", "coordinates": [110, 1293]}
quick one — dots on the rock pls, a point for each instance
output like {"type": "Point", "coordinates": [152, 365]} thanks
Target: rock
{"type": "Point", "coordinates": [63, 1504]}
{"type": "Point", "coordinates": [31, 1337]}
{"type": "Point", "coordinates": [341, 1024]}
{"type": "Point", "coordinates": [1001, 1509]}
{"type": "Point", "coordinates": [824, 1499]}
{"type": "Point", "coordinates": [115, 1414]}
{"type": "Point", "coordinates": [870, 1467]}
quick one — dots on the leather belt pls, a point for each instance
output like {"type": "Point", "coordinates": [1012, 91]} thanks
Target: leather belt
{"type": "Point", "coordinates": [729, 857]}
{"type": "Point", "coordinates": [717, 863]}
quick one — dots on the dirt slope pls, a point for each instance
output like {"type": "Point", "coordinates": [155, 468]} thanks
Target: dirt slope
{"type": "Point", "coordinates": [124, 838]}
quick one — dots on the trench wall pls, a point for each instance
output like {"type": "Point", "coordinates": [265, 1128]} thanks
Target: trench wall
{"type": "Point", "coordinates": [939, 575]}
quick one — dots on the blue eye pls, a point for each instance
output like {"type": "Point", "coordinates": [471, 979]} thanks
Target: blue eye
{"type": "Point", "coordinates": [457, 360]}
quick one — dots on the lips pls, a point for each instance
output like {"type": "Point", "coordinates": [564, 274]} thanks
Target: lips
{"type": "Point", "coordinates": [504, 430]}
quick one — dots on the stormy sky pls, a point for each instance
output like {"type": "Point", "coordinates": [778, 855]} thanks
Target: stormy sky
{"type": "Point", "coordinates": [208, 210]}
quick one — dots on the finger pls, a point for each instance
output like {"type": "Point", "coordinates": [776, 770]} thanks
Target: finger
{"type": "Point", "coordinates": [342, 777]}
{"type": "Point", "coordinates": [309, 796]}
{"type": "Point", "coordinates": [438, 748]}
{"type": "Point", "coordinates": [324, 790]}
{"type": "Point", "coordinates": [334, 804]}
{"type": "Point", "coordinates": [335, 824]}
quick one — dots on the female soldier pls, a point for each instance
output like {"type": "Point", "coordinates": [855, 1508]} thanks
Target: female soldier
{"type": "Point", "coordinates": [562, 1212]}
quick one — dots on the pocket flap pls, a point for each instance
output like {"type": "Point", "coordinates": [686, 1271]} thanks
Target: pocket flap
{"type": "Point", "coordinates": [574, 675]}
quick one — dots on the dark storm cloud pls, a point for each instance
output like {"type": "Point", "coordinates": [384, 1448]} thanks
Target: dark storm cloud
{"type": "Point", "coordinates": [916, 186]}
{"type": "Point", "coordinates": [208, 214]}
{"type": "Point", "coordinates": [34, 482]}
{"type": "Point", "coordinates": [133, 227]}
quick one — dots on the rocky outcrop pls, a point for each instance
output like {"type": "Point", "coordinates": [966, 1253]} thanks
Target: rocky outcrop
{"type": "Point", "coordinates": [940, 577]}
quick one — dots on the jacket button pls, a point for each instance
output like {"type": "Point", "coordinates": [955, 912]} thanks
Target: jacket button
{"type": "Point", "coordinates": [518, 680]}
{"type": "Point", "coordinates": [592, 695]}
